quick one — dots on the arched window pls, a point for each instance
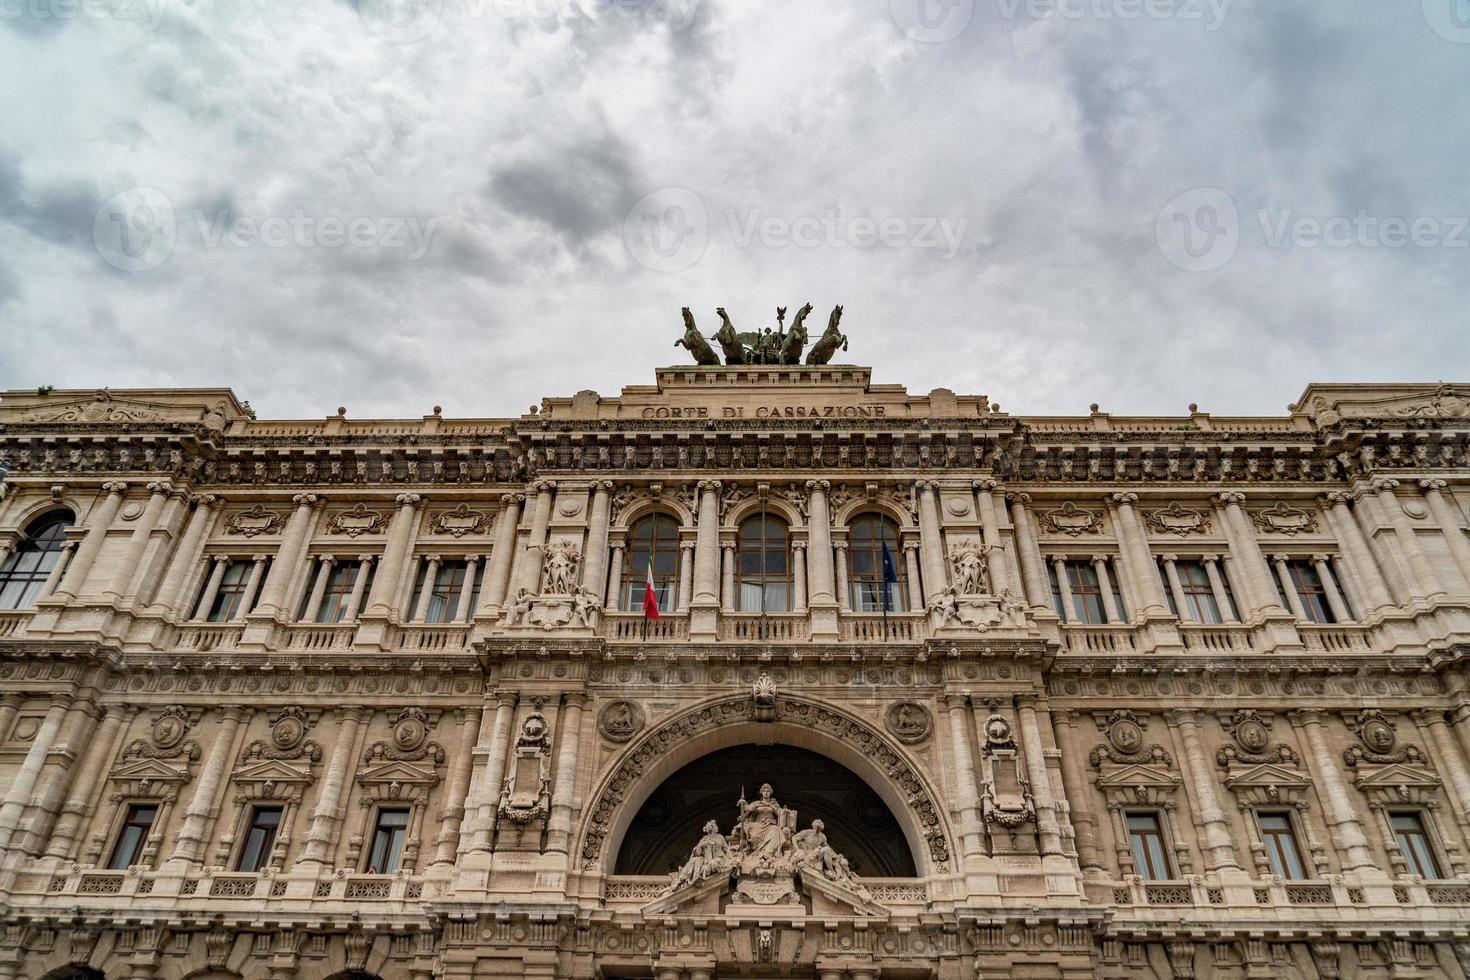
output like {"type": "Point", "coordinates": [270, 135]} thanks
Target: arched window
{"type": "Point", "coordinates": [655, 537]}
{"type": "Point", "coordinates": [867, 539]}
{"type": "Point", "coordinates": [26, 570]}
{"type": "Point", "coordinates": [765, 570]}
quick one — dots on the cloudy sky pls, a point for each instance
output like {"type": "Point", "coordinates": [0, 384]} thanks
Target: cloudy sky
{"type": "Point", "coordinates": [388, 204]}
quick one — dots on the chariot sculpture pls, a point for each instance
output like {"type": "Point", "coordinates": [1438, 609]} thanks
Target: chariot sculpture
{"type": "Point", "coordinates": [778, 346]}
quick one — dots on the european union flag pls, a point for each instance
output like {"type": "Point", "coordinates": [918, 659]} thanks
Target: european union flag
{"type": "Point", "coordinates": [890, 575]}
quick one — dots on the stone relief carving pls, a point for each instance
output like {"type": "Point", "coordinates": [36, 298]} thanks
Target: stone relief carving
{"type": "Point", "coordinates": [355, 521]}
{"type": "Point", "coordinates": [254, 521]}
{"type": "Point", "coordinates": [459, 521]}
{"type": "Point", "coordinates": [103, 407]}
{"type": "Point", "coordinates": [1125, 734]}
{"type": "Point", "coordinates": [1282, 519]}
{"type": "Point", "coordinates": [560, 575]}
{"type": "Point", "coordinates": [1176, 519]}
{"type": "Point", "coordinates": [1252, 734]}
{"type": "Point", "coordinates": [620, 720]}
{"type": "Point", "coordinates": [711, 856]}
{"type": "Point", "coordinates": [526, 794]}
{"type": "Point", "coordinates": [562, 602]}
{"type": "Point", "coordinates": [763, 696]}
{"type": "Point", "coordinates": [1006, 800]}
{"type": "Point", "coordinates": [909, 721]}
{"type": "Point", "coordinates": [967, 561]}
{"type": "Point", "coordinates": [1379, 740]}
{"type": "Point", "coordinates": [287, 738]}
{"type": "Point", "coordinates": [1071, 520]}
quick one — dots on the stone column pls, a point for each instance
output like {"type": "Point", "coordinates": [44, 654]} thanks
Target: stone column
{"type": "Point", "coordinates": [936, 572]}
{"type": "Point", "coordinates": [10, 703]}
{"type": "Point", "coordinates": [359, 586]}
{"type": "Point", "coordinates": [328, 813]}
{"type": "Point", "coordinates": [707, 548]}
{"type": "Point", "coordinates": [1176, 587]}
{"type": "Point", "coordinates": [1340, 611]}
{"type": "Point", "coordinates": [1360, 556]}
{"type": "Point", "coordinates": [1332, 788]}
{"type": "Point", "coordinates": [252, 585]}
{"type": "Point", "coordinates": [390, 570]}
{"type": "Point", "coordinates": [995, 556]}
{"type": "Point", "coordinates": [1447, 516]}
{"type": "Point", "coordinates": [186, 557]}
{"type": "Point", "coordinates": [497, 578]}
{"type": "Point", "coordinates": [57, 571]}
{"type": "Point", "coordinates": [727, 578]}
{"type": "Point", "coordinates": [1135, 546]}
{"type": "Point", "coordinates": [686, 574]}
{"type": "Point", "coordinates": [971, 834]}
{"type": "Point", "coordinates": [19, 795]}
{"type": "Point", "coordinates": [1454, 762]}
{"type": "Point", "coordinates": [1074, 784]}
{"type": "Point", "coordinates": [94, 766]}
{"type": "Point", "coordinates": [1047, 828]}
{"type": "Point", "coordinates": [844, 593]}
{"type": "Point", "coordinates": [1069, 610]}
{"type": "Point", "coordinates": [1458, 718]}
{"type": "Point", "coordinates": [1425, 581]}
{"type": "Point", "coordinates": [1293, 598]}
{"type": "Point", "coordinates": [1215, 841]}
{"type": "Point", "coordinates": [318, 587]}
{"type": "Point", "coordinates": [288, 557]}
{"type": "Point", "coordinates": [211, 588]}
{"type": "Point", "coordinates": [1033, 573]}
{"type": "Point", "coordinates": [615, 578]}
{"type": "Point", "coordinates": [431, 578]}
{"type": "Point", "coordinates": [451, 814]}
{"type": "Point", "coordinates": [193, 833]}
{"type": "Point", "coordinates": [911, 570]}
{"type": "Point", "coordinates": [563, 791]}
{"type": "Point", "coordinates": [486, 794]}
{"type": "Point", "coordinates": [1217, 588]}
{"type": "Point", "coordinates": [1105, 586]}
{"type": "Point", "coordinates": [798, 576]}
{"type": "Point", "coordinates": [132, 560]}
{"type": "Point", "coordinates": [1260, 592]}
{"type": "Point", "coordinates": [535, 555]}
{"type": "Point", "coordinates": [98, 523]}
{"type": "Point", "coordinates": [594, 564]}
{"type": "Point", "coordinates": [462, 611]}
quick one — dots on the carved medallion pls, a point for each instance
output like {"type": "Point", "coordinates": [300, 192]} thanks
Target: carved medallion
{"type": "Point", "coordinates": [1375, 732]}
{"type": "Point", "coordinates": [170, 727]}
{"type": "Point", "coordinates": [1250, 732]}
{"type": "Point", "coordinates": [1125, 733]}
{"type": "Point", "coordinates": [410, 729]}
{"type": "Point", "coordinates": [1072, 520]}
{"type": "Point", "coordinates": [459, 521]}
{"type": "Point", "coordinates": [1175, 519]}
{"type": "Point", "coordinates": [256, 520]}
{"type": "Point", "coordinates": [1282, 519]}
{"type": "Point", "coordinates": [998, 733]}
{"type": "Point", "coordinates": [620, 720]}
{"type": "Point", "coordinates": [909, 721]}
{"type": "Point", "coordinates": [289, 729]}
{"type": "Point", "coordinates": [355, 521]}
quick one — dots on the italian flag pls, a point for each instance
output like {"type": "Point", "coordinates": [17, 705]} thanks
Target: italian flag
{"type": "Point", "coordinates": [650, 595]}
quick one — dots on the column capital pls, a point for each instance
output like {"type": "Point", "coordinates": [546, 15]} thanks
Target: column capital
{"type": "Point", "coordinates": [327, 559]}
{"type": "Point", "coordinates": [118, 487]}
{"type": "Point", "coordinates": [798, 546]}
{"type": "Point", "coordinates": [506, 499]}
{"type": "Point", "coordinates": [260, 559]}
{"type": "Point", "coordinates": [1168, 558]}
{"type": "Point", "coordinates": [1337, 497]}
{"type": "Point", "coordinates": [1228, 497]}
{"type": "Point", "coordinates": [910, 546]}
{"type": "Point", "coordinates": [1433, 485]}
{"type": "Point", "coordinates": [575, 699]}
{"type": "Point", "coordinates": [1099, 558]}
{"type": "Point", "coordinates": [1308, 716]}
{"type": "Point", "coordinates": [1125, 498]}
{"type": "Point", "coordinates": [709, 486]}
{"type": "Point", "coordinates": [473, 559]}
{"type": "Point", "coordinates": [602, 486]}
{"type": "Point", "coordinates": [160, 487]}
{"type": "Point", "coordinates": [507, 699]}
{"type": "Point", "coordinates": [1321, 559]}
{"type": "Point", "coordinates": [208, 499]}
{"type": "Point", "coordinates": [839, 545]}
{"type": "Point", "coordinates": [544, 486]}
{"type": "Point", "coordinates": [1181, 716]}
{"type": "Point", "coordinates": [819, 486]}
{"type": "Point", "coordinates": [1018, 496]}
{"type": "Point", "coordinates": [433, 559]}
{"type": "Point", "coordinates": [1385, 483]}
{"type": "Point", "coordinates": [351, 712]}
{"type": "Point", "coordinates": [221, 559]}
{"type": "Point", "coordinates": [955, 699]}
{"type": "Point", "coordinates": [305, 499]}
{"type": "Point", "coordinates": [1209, 559]}
{"type": "Point", "coordinates": [67, 545]}
{"type": "Point", "coordinates": [409, 499]}
{"type": "Point", "coordinates": [367, 559]}
{"type": "Point", "coordinates": [1459, 713]}
{"type": "Point", "coordinates": [1025, 699]}
{"type": "Point", "coordinates": [986, 484]}
{"type": "Point", "coordinates": [1280, 559]}
{"type": "Point", "coordinates": [687, 545]}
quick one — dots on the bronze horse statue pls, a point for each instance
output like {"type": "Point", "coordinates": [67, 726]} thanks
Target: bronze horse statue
{"type": "Point", "coordinates": [728, 339]}
{"type": "Point", "coordinates": [795, 337]}
{"type": "Point", "coordinates": [694, 342]}
{"type": "Point", "coordinates": [827, 344]}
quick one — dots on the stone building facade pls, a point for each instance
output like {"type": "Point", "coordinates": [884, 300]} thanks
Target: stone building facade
{"type": "Point", "coordinates": [935, 690]}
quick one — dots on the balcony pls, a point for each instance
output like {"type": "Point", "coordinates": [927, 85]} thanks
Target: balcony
{"type": "Point", "coordinates": [898, 628]}
{"type": "Point", "coordinates": [772, 627]}
{"type": "Point", "coordinates": [1336, 638]}
{"type": "Point", "coordinates": [1216, 639]}
{"type": "Point", "coordinates": [204, 637]}
{"type": "Point", "coordinates": [623, 891]}
{"type": "Point", "coordinates": [1099, 639]}
{"type": "Point", "coordinates": [629, 627]}
{"type": "Point", "coordinates": [432, 637]}
{"type": "Point", "coordinates": [320, 636]}
{"type": "Point", "coordinates": [13, 622]}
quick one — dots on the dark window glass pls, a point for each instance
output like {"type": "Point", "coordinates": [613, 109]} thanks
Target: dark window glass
{"type": "Point", "coordinates": [1147, 837]}
{"type": "Point", "coordinates": [764, 569]}
{"type": "Point", "coordinates": [1199, 597]}
{"type": "Point", "coordinates": [230, 598]}
{"type": "Point", "coordinates": [1281, 846]}
{"type": "Point", "coordinates": [655, 537]}
{"type": "Point", "coordinates": [260, 837]}
{"type": "Point", "coordinates": [866, 539]}
{"type": "Point", "coordinates": [1413, 841]}
{"type": "Point", "coordinates": [388, 834]}
{"type": "Point", "coordinates": [1309, 589]}
{"type": "Point", "coordinates": [444, 591]}
{"type": "Point", "coordinates": [339, 591]}
{"type": "Point", "coordinates": [26, 569]}
{"type": "Point", "coordinates": [128, 850]}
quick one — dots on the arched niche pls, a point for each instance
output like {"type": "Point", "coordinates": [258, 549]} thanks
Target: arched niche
{"type": "Point", "coordinates": [857, 822]}
{"type": "Point", "coordinates": [75, 973]}
{"type": "Point", "coordinates": [852, 742]}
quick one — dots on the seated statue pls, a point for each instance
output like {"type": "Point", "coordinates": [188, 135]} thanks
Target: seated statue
{"type": "Point", "coordinates": [711, 856]}
{"type": "Point", "coordinates": [813, 851]}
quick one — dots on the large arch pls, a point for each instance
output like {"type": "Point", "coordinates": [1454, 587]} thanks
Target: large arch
{"type": "Point", "coordinates": [729, 721]}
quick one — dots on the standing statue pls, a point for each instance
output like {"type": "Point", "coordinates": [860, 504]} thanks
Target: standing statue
{"type": "Point", "coordinates": [796, 337]}
{"type": "Point", "coordinates": [695, 343]}
{"type": "Point", "coordinates": [828, 343]}
{"type": "Point", "coordinates": [732, 343]}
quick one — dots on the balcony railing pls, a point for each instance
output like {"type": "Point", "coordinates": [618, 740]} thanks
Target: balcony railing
{"type": "Point", "coordinates": [898, 627]}
{"type": "Point", "coordinates": [13, 621]}
{"type": "Point", "coordinates": [1099, 639]}
{"type": "Point", "coordinates": [778, 627]}
{"type": "Point", "coordinates": [433, 637]}
{"type": "Point", "coordinates": [321, 636]}
{"type": "Point", "coordinates": [630, 627]}
{"type": "Point", "coordinates": [204, 637]}
{"type": "Point", "coordinates": [642, 889]}
{"type": "Point", "coordinates": [1333, 639]}
{"type": "Point", "coordinates": [1216, 639]}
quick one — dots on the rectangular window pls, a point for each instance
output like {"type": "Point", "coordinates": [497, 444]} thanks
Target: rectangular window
{"type": "Point", "coordinates": [1309, 588]}
{"type": "Point", "coordinates": [1281, 847]}
{"type": "Point", "coordinates": [388, 834]}
{"type": "Point", "coordinates": [339, 591]}
{"type": "Point", "coordinates": [230, 598]}
{"type": "Point", "coordinates": [1147, 837]}
{"type": "Point", "coordinates": [444, 591]}
{"type": "Point", "coordinates": [1088, 605]}
{"type": "Point", "coordinates": [1200, 605]}
{"type": "Point", "coordinates": [265, 822]}
{"type": "Point", "coordinates": [128, 850]}
{"type": "Point", "coordinates": [1413, 841]}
